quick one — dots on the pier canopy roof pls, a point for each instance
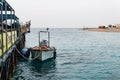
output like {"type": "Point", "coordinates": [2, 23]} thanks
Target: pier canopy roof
{"type": "Point", "coordinates": [8, 16]}
{"type": "Point", "coordinates": [1, 2]}
{"type": "Point", "coordinates": [6, 6]}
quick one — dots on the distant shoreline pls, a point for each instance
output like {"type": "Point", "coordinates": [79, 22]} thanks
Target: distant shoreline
{"type": "Point", "coordinates": [102, 30]}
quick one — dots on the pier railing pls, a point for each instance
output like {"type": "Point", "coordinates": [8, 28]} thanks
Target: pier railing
{"type": "Point", "coordinates": [10, 34]}
{"type": "Point", "coordinates": [9, 26]}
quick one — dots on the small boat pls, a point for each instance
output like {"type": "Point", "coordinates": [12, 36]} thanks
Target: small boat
{"type": "Point", "coordinates": [44, 51]}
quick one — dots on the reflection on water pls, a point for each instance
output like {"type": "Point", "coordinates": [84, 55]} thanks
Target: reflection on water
{"type": "Point", "coordinates": [43, 67]}
{"type": "Point", "coordinates": [34, 70]}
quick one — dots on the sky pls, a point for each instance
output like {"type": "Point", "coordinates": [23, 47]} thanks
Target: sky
{"type": "Point", "coordinates": [67, 13]}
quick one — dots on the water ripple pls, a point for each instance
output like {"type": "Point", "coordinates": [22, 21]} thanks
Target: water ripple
{"type": "Point", "coordinates": [81, 55]}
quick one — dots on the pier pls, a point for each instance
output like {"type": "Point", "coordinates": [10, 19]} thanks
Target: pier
{"type": "Point", "coordinates": [12, 39]}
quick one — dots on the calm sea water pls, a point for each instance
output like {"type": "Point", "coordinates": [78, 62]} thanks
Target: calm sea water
{"type": "Point", "coordinates": [81, 55]}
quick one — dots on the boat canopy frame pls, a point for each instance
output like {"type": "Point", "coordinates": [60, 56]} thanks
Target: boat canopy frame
{"type": "Point", "coordinates": [48, 36]}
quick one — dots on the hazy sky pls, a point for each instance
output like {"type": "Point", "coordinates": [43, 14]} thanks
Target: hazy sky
{"type": "Point", "coordinates": [67, 13]}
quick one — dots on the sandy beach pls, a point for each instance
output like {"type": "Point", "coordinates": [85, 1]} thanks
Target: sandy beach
{"type": "Point", "coordinates": [102, 30]}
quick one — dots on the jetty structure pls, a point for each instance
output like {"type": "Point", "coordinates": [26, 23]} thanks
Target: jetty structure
{"type": "Point", "coordinates": [12, 39]}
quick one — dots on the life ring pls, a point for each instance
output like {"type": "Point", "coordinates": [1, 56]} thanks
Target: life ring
{"type": "Point", "coordinates": [43, 47]}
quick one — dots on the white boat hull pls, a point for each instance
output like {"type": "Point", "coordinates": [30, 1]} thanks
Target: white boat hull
{"type": "Point", "coordinates": [43, 54]}
{"type": "Point", "coordinates": [46, 55]}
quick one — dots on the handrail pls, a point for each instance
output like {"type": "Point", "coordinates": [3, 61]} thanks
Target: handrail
{"type": "Point", "coordinates": [4, 28]}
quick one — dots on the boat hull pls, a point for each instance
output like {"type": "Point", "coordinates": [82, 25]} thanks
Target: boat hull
{"type": "Point", "coordinates": [43, 55]}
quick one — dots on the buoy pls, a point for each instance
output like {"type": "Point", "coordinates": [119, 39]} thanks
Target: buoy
{"type": "Point", "coordinates": [43, 47]}
{"type": "Point", "coordinates": [25, 52]}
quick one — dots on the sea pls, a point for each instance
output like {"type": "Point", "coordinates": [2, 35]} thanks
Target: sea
{"type": "Point", "coordinates": [81, 55]}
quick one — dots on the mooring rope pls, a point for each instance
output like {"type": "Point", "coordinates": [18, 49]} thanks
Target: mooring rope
{"type": "Point", "coordinates": [36, 56]}
{"type": "Point", "coordinates": [21, 54]}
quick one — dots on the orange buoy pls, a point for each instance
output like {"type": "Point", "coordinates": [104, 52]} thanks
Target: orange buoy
{"type": "Point", "coordinates": [44, 47]}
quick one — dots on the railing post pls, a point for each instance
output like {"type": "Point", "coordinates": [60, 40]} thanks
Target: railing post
{"type": "Point", "coordinates": [1, 33]}
{"type": "Point", "coordinates": [11, 27]}
{"type": "Point", "coordinates": [6, 26]}
{"type": "Point", "coordinates": [14, 25]}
